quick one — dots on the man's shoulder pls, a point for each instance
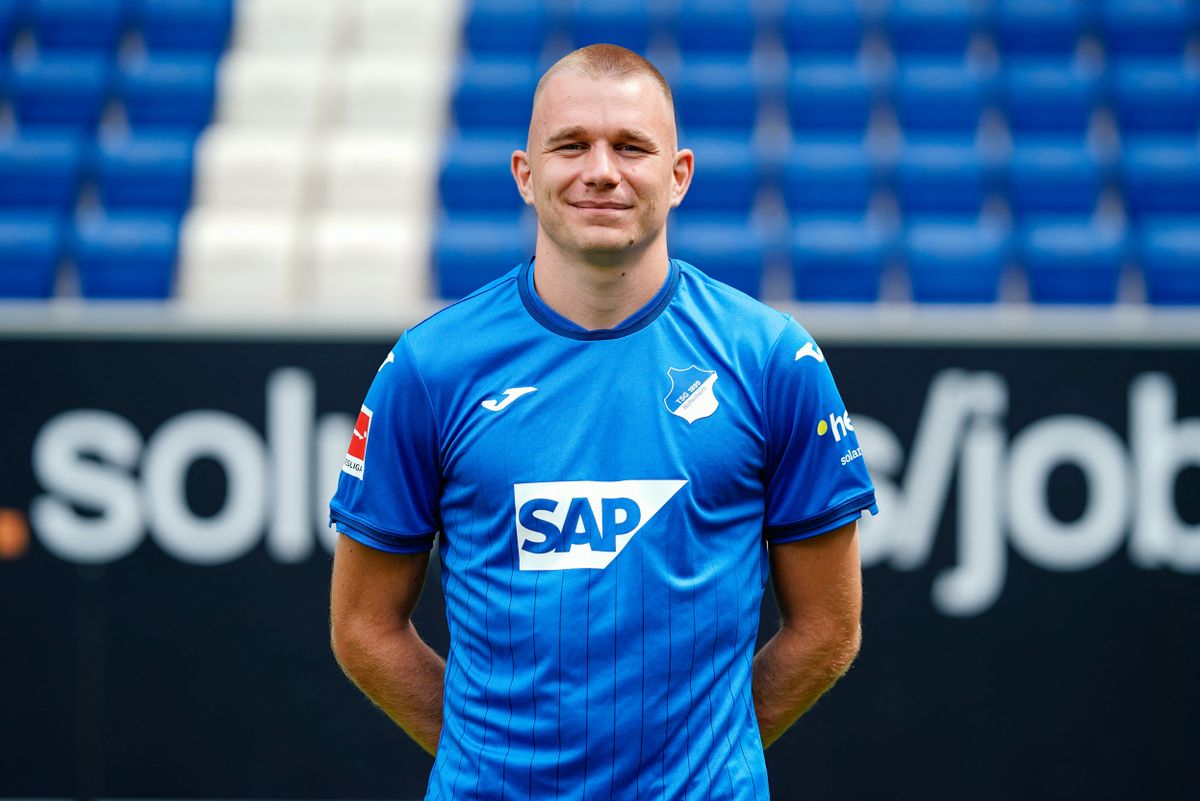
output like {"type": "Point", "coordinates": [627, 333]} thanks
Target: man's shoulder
{"type": "Point", "coordinates": [726, 306]}
{"type": "Point", "coordinates": [479, 312]}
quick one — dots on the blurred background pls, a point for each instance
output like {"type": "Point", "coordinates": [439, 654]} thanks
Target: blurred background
{"type": "Point", "coordinates": [217, 215]}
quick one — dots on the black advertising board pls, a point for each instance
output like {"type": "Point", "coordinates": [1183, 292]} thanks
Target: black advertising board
{"type": "Point", "coordinates": [1032, 582]}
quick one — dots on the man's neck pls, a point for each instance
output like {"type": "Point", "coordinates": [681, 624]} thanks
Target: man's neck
{"type": "Point", "coordinates": [598, 296]}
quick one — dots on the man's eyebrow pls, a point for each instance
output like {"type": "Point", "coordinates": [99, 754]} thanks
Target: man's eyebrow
{"type": "Point", "coordinates": [579, 132]}
{"type": "Point", "coordinates": [562, 134]}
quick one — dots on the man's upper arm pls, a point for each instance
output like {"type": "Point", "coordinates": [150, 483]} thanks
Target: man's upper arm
{"type": "Point", "coordinates": [374, 588]}
{"type": "Point", "coordinates": [818, 581]}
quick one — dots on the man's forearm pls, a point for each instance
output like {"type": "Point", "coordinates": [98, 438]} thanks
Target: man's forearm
{"type": "Point", "coordinates": [792, 671]}
{"type": "Point", "coordinates": [402, 676]}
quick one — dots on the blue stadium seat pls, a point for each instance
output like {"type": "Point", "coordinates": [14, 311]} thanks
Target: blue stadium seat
{"type": "Point", "coordinates": [514, 28]}
{"type": "Point", "coordinates": [1049, 95]}
{"type": "Point", "coordinates": [193, 25]}
{"type": "Point", "coordinates": [127, 256]}
{"type": "Point", "coordinates": [941, 177]}
{"type": "Point", "coordinates": [60, 90]}
{"type": "Point", "coordinates": [1054, 177]}
{"type": "Point", "coordinates": [715, 26]}
{"type": "Point", "coordinates": [1072, 262]}
{"type": "Point", "coordinates": [628, 23]}
{"type": "Point", "coordinates": [495, 94]}
{"type": "Point", "coordinates": [78, 24]}
{"type": "Point", "coordinates": [1152, 96]}
{"type": "Point", "coordinates": [930, 26]}
{"type": "Point", "coordinates": [730, 249]}
{"type": "Point", "coordinates": [1042, 27]}
{"type": "Point", "coordinates": [471, 250]}
{"type": "Point", "coordinates": [818, 27]}
{"type": "Point", "coordinates": [1170, 257]}
{"type": "Point", "coordinates": [9, 18]}
{"type": "Point", "coordinates": [1145, 26]}
{"type": "Point", "coordinates": [833, 175]}
{"type": "Point", "coordinates": [1161, 177]}
{"type": "Point", "coordinates": [40, 171]}
{"type": "Point", "coordinates": [838, 259]}
{"type": "Point", "coordinates": [30, 245]}
{"type": "Point", "coordinates": [727, 176]}
{"type": "Point", "coordinates": [173, 92]}
{"type": "Point", "coordinates": [955, 261]}
{"type": "Point", "coordinates": [716, 93]}
{"type": "Point", "coordinates": [145, 171]}
{"type": "Point", "coordinates": [943, 95]}
{"type": "Point", "coordinates": [830, 95]}
{"type": "Point", "coordinates": [476, 177]}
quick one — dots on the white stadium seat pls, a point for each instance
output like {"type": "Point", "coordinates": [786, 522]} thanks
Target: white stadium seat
{"type": "Point", "coordinates": [306, 26]}
{"type": "Point", "coordinates": [382, 91]}
{"type": "Point", "coordinates": [235, 258]}
{"type": "Point", "coordinates": [371, 261]}
{"type": "Point", "coordinates": [238, 168]}
{"type": "Point", "coordinates": [424, 29]}
{"type": "Point", "coordinates": [276, 90]}
{"type": "Point", "coordinates": [378, 171]}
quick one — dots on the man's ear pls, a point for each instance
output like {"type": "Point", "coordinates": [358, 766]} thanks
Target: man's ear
{"type": "Point", "coordinates": [682, 170]}
{"type": "Point", "coordinates": [521, 174]}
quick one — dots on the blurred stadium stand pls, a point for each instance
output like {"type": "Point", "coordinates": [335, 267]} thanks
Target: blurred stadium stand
{"type": "Point", "coordinates": [305, 152]}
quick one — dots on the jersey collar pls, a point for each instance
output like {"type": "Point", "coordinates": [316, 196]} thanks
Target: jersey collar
{"type": "Point", "coordinates": [555, 322]}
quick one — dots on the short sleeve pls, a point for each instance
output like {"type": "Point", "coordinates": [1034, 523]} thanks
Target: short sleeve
{"type": "Point", "coordinates": [816, 477]}
{"type": "Point", "coordinates": [387, 495]}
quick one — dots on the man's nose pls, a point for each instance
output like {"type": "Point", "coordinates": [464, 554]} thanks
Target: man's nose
{"type": "Point", "coordinates": [600, 168]}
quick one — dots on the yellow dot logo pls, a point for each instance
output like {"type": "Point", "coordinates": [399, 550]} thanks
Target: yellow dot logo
{"type": "Point", "coordinates": [822, 427]}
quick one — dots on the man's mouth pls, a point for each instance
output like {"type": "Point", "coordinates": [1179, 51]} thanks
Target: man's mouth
{"type": "Point", "coordinates": [597, 205]}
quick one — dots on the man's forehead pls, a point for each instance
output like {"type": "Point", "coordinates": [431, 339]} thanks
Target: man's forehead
{"type": "Point", "coordinates": [567, 101]}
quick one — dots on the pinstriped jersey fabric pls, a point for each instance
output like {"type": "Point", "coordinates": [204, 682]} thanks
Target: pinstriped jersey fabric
{"type": "Point", "coordinates": [601, 503]}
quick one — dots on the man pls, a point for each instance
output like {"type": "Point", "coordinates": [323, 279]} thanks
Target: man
{"type": "Point", "coordinates": [613, 450]}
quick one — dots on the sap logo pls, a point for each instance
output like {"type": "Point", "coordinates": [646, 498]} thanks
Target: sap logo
{"type": "Point", "coordinates": [838, 424]}
{"type": "Point", "coordinates": [565, 525]}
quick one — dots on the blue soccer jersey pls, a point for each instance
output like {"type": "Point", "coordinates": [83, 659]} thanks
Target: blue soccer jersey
{"type": "Point", "coordinates": [604, 501]}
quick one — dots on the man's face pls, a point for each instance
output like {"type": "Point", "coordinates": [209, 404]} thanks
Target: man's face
{"type": "Point", "coordinates": [602, 170]}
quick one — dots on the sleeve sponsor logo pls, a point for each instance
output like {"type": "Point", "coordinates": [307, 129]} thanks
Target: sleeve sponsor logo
{"type": "Point", "coordinates": [356, 454]}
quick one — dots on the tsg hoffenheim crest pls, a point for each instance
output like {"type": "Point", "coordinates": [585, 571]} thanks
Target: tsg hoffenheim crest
{"type": "Point", "coordinates": [691, 396]}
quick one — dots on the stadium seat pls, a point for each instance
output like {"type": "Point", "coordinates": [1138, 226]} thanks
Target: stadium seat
{"type": "Point", "coordinates": [169, 92]}
{"type": "Point", "coordinates": [30, 245]}
{"type": "Point", "coordinates": [834, 175]}
{"type": "Point", "coordinates": [1054, 177]}
{"type": "Point", "coordinates": [829, 95]}
{"type": "Point", "coordinates": [1072, 262]}
{"type": "Point", "coordinates": [941, 177]}
{"type": "Point", "coordinates": [77, 25]}
{"type": "Point", "coordinates": [838, 259]}
{"type": "Point", "coordinates": [40, 171]}
{"type": "Point", "coordinates": [621, 22]}
{"type": "Point", "coordinates": [398, 93]}
{"type": "Point", "coordinates": [1047, 95]}
{"type": "Point", "coordinates": [1170, 257]}
{"type": "Point", "coordinates": [716, 93]}
{"type": "Point", "coordinates": [299, 26]}
{"type": "Point", "coordinates": [1162, 177]}
{"type": "Point", "coordinates": [955, 261]}
{"type": "Point", "coordinates": [514, 28]}
{"type": "Point", "coordinates": [194, 25]}
{"type": "Point", "coordinates": [939, 96]}
{"type": "Point", "coordinates": [1042, 27]}
{"type": "Point", "coordinates": [279, 90]}
{"type": "Point", "coordinates": [370, 260]}
{"type": "Point", "coordinates": [429, 31]}
{"type": "Point", "coordinates": [9, 17]}
{"type": "Point", "coordinates": [60, 90]}
{"type": "Point", "coordinates": [715, 26]}
{"type": "Point", "coordinates": [126, 256]}
{"type": "Point", "coordinates": [144, 171]}
{"type": "Point", "coordinates": [728, 177]}
{"type": "Point", "coordinates": [730, 249]}
{"type": "Point", "coordinates": [818, 27]}
{"type": "Point", "coordinates": [476, 177]}
{"type": "Point", "coordinates": [930, 26]}
{"type": "Point", "coordinates": [377, 171]}
{"type": "Point", "coordinates": [249, 168]}
{"type": "Point", "coordinates": [1145, 26]}
{"type": "Point", "coordinates": [238, 257]}
{"type": "Point", "coordinates": [1155, 96]}
{"type": "Point", "coordinates": [495, 94]}
{"type": "Point", "coordinates": [472, 249]}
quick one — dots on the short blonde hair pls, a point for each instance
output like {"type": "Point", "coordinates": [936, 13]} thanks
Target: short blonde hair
{"type": "Point", "coordinates": [607, 61]}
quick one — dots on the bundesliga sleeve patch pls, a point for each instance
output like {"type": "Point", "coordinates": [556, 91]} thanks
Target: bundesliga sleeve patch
{"type": "Point", "coordinates": [356, 454]}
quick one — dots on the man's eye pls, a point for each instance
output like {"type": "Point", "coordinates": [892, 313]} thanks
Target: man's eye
{"type": "Point", "coordinates": [631, 148]}
{"type": "Point", "coordinates": [572, 146]}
